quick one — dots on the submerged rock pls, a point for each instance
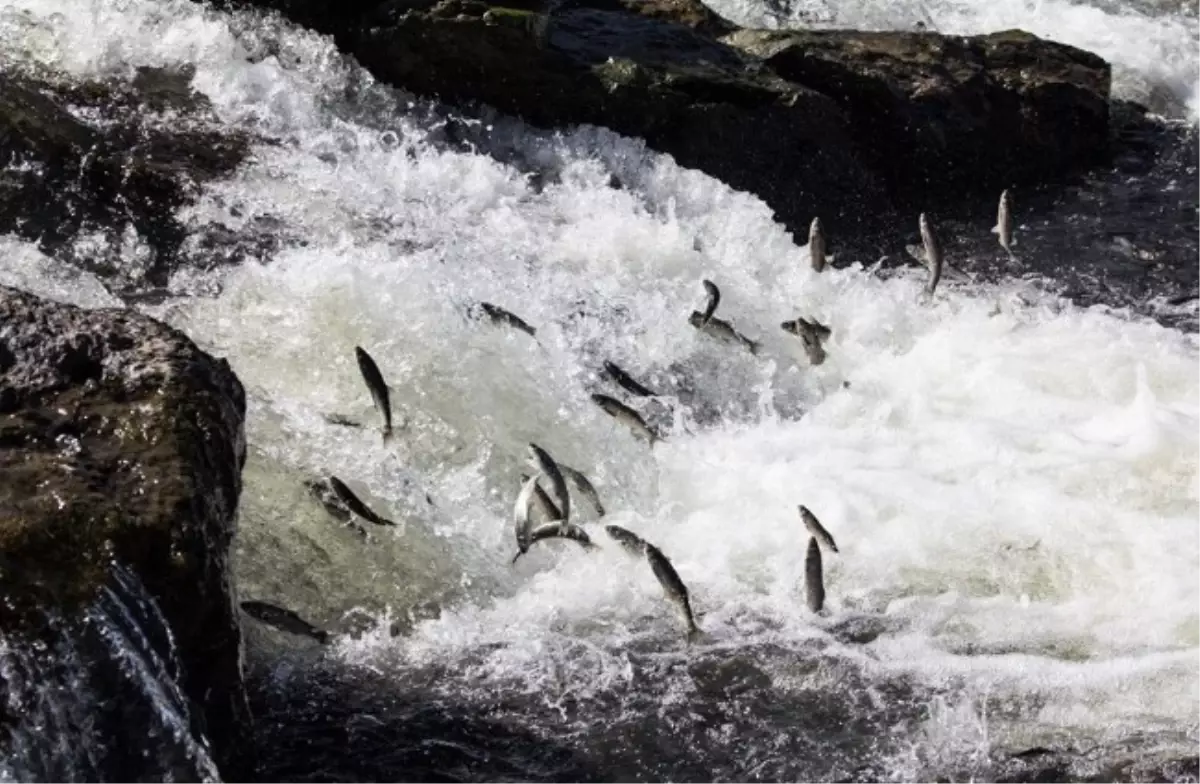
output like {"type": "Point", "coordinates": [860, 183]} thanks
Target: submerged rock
{"type": "Point", "coordinates": [122, 444]}
{"type": "Point", "coordinates": [95, 172]}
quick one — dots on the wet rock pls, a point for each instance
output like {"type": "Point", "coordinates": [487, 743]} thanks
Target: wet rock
{"type": "Point", "coordinates": [122, 443]}
{"type": "Point", "coordinates": [681, 91]}
{"type": "Point", "coordinates": [943, 118]}
{"type": "Point", "coordinates": [97, 161]}
{"type": "Point", "coordinates": [851, 126]}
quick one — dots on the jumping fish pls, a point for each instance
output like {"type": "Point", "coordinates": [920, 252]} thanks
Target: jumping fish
{"type": "Point", "coordinates": [626, 416]}
{"type": "Point", "coordinates": [816, 529]}
{"type": "Point", "coordinates": [541, 502]}
{"type": "Point", "coordinates": [722, 330]}
{"type": "Point", "coordinates": [379, 390]}
{"type": "Point", "coordinates": [629, 541]}
{"type": "Point", "coordinates": [714, 299]}
{"type": "Point", "coordinates": [284, 619]}
{"type": "Point", "coordinates": [810, 334]}
{"type": "Point", "coordinates": [673, 587]}
{"type": "Point", "coordinates": [1004, 223]}
{"type": "Point", "coordinates": [813, 576]}
{"type": "Point", "coordinates": [498, 315]}
{"type": "Point", "coordinates": [559, 529]}
{"type": "Point", "coordinates": [626, 381]}
{"type": "Point", "coordinates": [540, 460]}
{"type": "Point", "coordinates": [816, 245]}
{"type": "Point", "coordinates": [933, 253]}
{"type": "Point", "coordinates": [521, 516]}
{"type": "Point", "coordinates": [353, 503]}
{"type": "Point", "coordinates": [584, 486]}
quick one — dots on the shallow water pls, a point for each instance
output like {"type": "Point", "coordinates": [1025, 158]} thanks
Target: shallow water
{"type": "Point", "coordinates": [1013, 481]}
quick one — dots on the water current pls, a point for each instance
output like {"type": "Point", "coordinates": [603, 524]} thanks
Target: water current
{"type": "Point", "coordinates": [1012, 480]}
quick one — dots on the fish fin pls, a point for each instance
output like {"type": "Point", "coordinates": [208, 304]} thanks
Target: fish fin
{"type": "Point", "coordinates": [996, 229]}
{"type": "Point", "coordinates": [321, 636]}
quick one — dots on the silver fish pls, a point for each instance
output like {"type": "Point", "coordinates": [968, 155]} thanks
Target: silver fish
{"type": "Point", "coordinates": [673, 587]}
{"type": "Point", "coordinates": [933, 253]}
{"type": "Point", "coordinates": [1004, 223]}
{"type": "Point", "coordinates": [561, 530]}
{"type": "Point", "coordinates": [541, 502]}
{"type": "Point", "coordinates": [629, 541]}
{"type": "Point", "coordinates": [626, 381]}
{"type": "Point", "coordinates": [498, 315]}
{"type": "Point", "coordinates": [810, 334]}
{"type": "Point", "coordinates": [816, 529]}
{"type": "Point", "coordinates": [584, 486]}
{"type": "Point", "coordinates": [714, 299]}
{"type": "Point", "coordinates": [816, 245]}
{"type": "Point", "coordinates": [284, 619]}
{"type": "Point", "coordinates": [626, 416]}
{"type": "Point", "coordinates": [379, 390]}
{"type": "Point", "coordinates": [722, 330]}
{"type": "Point", "coordinates": [540, 460]}
{"type": "Point", "coordinates": [813, 577]}
{"type": "Point", "coordinates": [353, 503]}
{"type": "Point", "coordinates": [521, 515]}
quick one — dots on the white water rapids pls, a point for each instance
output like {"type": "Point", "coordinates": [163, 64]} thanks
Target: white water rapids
{"type": "Point", "coordinates": [1013, 482]}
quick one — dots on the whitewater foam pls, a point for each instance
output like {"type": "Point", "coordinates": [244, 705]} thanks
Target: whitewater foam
{"type": "Point", "coordinates": [1013, 481]}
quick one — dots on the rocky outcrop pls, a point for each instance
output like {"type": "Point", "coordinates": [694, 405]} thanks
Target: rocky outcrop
{"type": "Point", "coordinates": [122, 443]}
{"type": "Point", "coordinates": [100, 159]}
{"type": "Point", "coordinates": [859, 128]}
{"type": "Point", "coordinates": [964, 116]}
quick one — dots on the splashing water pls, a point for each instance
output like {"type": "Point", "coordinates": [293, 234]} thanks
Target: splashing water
{"type": "Point", "coordinates": [1013, 481]}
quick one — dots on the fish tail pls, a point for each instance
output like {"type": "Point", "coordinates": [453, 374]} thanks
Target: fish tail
{"type": "Point", "coordinates": [387, 435]}
{"type": "Point", "coordinates": [694, 634]}
{"type": "Point", "coordinates": [515, 557]}
{"type": "Point", "coordinates": [321, 636]}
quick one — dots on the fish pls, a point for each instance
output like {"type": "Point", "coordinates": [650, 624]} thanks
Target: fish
{"type": "Point", "coordinates": [626, 381]}
{"type": "Point", "coordinates": [541, 502]}
{"type": "Point", "coordinates": [353, 503]}
{"type": "Point", "coordinates": [814, 579]}
{"type": "Point", "coordinates": [1004, 224]}
{"type": "Point", "coordinates": [673, 587]}
{"type": "Point", "coordinates": [521, 515]}
{"type": "Point", "coordinates": [562, 530]}
{"type": "Point", "coordinates": [540, 460]}
{"type": "Point", "coordinates": [626, 416]}
{"type": "Point", "coordinates": [816, 529]}
{"type": "Point", "coordinates": [714, 299]}
{"type": "Point", "coordinates": [284, 619]}
{"type": "Point", "coordinates": [584, 486]}
{"type": "Point", "coordinates": [948, 270]}
{"type": "Point", "coordinates": [810, 334]}
{"type": "Point", "coordinates": [498, 315]}
{"type": "Point", "coordinates": [338, 419]}
{"type": "Point", "coordinates": [816, 245]}
{"type": "Point", "coordinates": [722, 330]}
{"type": "Point", "coordinates": [933, 253]}
{"type": "Point", "coordinates": [629, 541]}
{"type": "Point", "coordinates": [379, 390]}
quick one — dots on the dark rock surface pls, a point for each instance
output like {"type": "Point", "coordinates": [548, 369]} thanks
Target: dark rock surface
{"type": "Point", "coordinates": [855, 127]}
{"type": "Point", "coordinates": [966, 117]}
{"type": "Point", "coordinates": [122, 442]}
{"type": "Point", "coordinates": [94, 158]}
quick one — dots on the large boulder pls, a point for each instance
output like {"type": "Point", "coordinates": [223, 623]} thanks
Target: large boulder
{"type": "Point", "coordinates": [963, 117]}
{"type": "Point", "coordinates": [861, 129]}
{"type": "Point", "coordinates": [121, 447]}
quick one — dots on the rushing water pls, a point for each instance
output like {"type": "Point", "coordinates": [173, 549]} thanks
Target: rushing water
{"type": "Point", "coordinates": [1013, 481]}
